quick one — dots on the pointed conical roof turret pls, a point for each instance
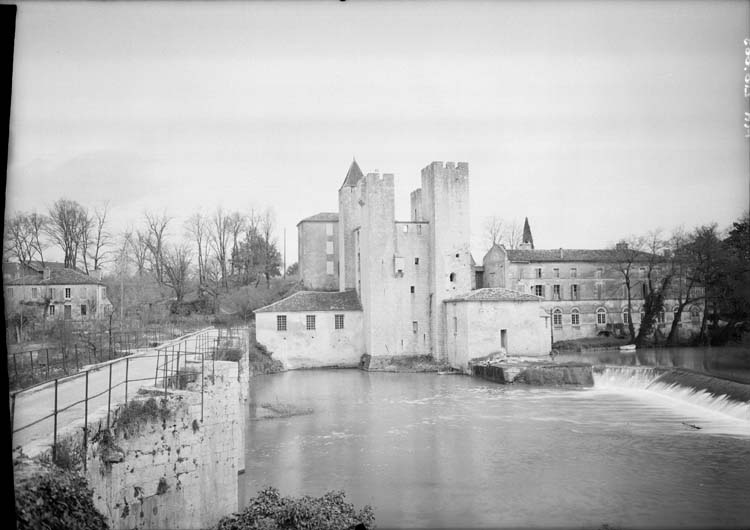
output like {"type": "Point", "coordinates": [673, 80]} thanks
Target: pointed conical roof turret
{"type": "Point", "coordinates": [527, 237]}
{"type": "Point", "coordinates": [353, 175]}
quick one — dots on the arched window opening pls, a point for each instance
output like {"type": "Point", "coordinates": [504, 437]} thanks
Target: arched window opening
{"type": "Point", "coordinates": [575, 317]}
{"type": "Point", "coordinates": [557, 317]}
{"type": "Point", "coordinates": [626, 316]}
{"type": "Point", "coordinates": [601, 316]}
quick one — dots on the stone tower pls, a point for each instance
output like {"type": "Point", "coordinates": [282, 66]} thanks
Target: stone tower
{"type": "Point", "coordinates": [444, 202]}
{"type": "Point", "coordinates": [349, 219]}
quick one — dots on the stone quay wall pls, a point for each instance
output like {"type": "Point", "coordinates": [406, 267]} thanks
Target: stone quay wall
{"type": "Point", "coordinates": [173, 470]}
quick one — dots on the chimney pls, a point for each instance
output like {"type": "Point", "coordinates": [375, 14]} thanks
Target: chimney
{"type": "Point", "coordinates": [47, 273]}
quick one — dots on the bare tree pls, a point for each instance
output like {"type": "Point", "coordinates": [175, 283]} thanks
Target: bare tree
{"type": "Point", "coordinates": [18, 240]}
{"type": "Point", "coordinates": [493, 227]}
{"type": "Point", "coordinates": [140, 251]}
{"type": "Point", "coordinates": [176, 263]}
{"type": "Point", "coordinates": [659, 274]}
{"type": "Point", "coordinates": [197, 227]}
{"type": "Point", "coordinates": [101, 238]}
{"type": "Point", "coordinates": [271, 259]}
{"type": "Point", "coordinates": [627, 255]}
{"type": "Point", "coordinates": [85, 239]}
{"type": "Point", "coordinates": [236, 226]}
{"type": "Point", "coordinates": [502, 232]}
{"type": "Point", "coordinates": [156, 227]}
{"type": "Point", "coordinates": [67, 222]}
{"type": "Point", "coordinates": [220, 234]}
{"type": "Point", "coordinates": [38, 225]}
{"type": "Point", "coordinates": [686, 287]}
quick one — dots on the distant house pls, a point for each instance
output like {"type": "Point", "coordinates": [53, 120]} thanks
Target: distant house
{"type": "Point", "coordinates": [55, 292]}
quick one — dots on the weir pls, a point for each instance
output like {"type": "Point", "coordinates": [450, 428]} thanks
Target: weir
{"type": "Point", "coordinates": [714, 394]}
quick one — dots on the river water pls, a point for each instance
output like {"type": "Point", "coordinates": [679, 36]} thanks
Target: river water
{"type": "Point", "coordinates": [429, 450]}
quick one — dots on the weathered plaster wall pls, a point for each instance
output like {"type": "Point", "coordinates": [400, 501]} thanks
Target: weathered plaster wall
{"type": "Point", "coordinates": [315, 239]}
{"type": "Point", "coordinates": [180, 473]}
{"type": "Point", "coordinates": [479, 325]}
{"type": "Point", "coordinates": [298, 347]}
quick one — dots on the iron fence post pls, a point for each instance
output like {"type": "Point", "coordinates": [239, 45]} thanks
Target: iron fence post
{"type": "Point", "coordinates": [156, 372]}
{"type": "Point", "coordinates": [86, 422]}
{"type": "Point", "coordinates": [15, 366]}
{"type": "Point", "coordinates": [127, 369]}
{"type": "Point", "coordinates": [54, 435]}
{"type": "Point", "coordinates": [177, 372]}
{"type": "Point", "coordinates": [46, 350]}
{"type": "Point", "coordinates": [203, 377]}
{"type": "Point", "coordinates": [65, 367]}
{"type": "Point", "coordinates": [31, 356]}
{"type": "Point", "coordinates": [165, 373]}
{"type": "Point", "coordinates": [78, 365]}
{"type": "Point", "coordinates": [109, 394]}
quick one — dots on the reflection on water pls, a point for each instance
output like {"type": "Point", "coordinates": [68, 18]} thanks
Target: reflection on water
{"type": "Point", "coordinates": [451, 451]}
{"type": "Point", "coordinates": [729, 363]}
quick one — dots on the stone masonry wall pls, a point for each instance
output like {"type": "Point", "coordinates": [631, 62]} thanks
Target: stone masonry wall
{"type": "Point", "coordinates": [180, 472]}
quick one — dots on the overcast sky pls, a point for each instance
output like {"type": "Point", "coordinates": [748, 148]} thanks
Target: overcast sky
{"type": "Point", "coordinates": [595, 119]}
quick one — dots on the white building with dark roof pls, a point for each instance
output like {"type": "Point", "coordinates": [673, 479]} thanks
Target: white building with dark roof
{"type": "Point", "coordinates": [56, 292]}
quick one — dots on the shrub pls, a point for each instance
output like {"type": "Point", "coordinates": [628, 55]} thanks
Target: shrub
{"type": "Point", "coordinates": [56, 499]}
{"type": "Point", "coordinates": [137, 412]}
{"type": "Point", "coordinates": [270, 511]}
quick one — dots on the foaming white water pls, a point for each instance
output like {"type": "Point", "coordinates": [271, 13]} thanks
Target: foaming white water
{"type": "Point", "coordinates": [719, 412]}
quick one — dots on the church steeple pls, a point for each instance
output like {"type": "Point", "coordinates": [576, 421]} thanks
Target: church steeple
{"type": "Point", "coordinates": [353, 175]}
{"type": "Point", "coordinates": [527, 238]}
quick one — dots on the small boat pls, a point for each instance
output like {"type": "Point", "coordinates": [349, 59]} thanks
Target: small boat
{"type": "Point", "coordinates": [448, 372]}
{"type": "Point", "coordinates": [628, 347]}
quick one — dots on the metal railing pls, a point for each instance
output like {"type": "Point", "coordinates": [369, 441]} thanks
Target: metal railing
{"type": "Point", "coordinates": [177, 363]}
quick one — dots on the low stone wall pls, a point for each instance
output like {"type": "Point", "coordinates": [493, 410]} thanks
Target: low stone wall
{"type": "Point", "coordinates": [577, 374]}
{"type": "Point", "coordinates": [174, 471]}
{"type": "Point", "coordinates": [400, 363]}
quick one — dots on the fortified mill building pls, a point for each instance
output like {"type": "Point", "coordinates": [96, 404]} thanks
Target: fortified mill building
{"type": "Point", "coordinates": [385, 287]}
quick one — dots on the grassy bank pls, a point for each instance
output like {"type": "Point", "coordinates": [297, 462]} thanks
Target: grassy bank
{"type": "Point", "coordinates": [589, 343]}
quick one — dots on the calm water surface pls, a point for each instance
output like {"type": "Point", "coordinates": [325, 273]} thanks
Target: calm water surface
{"type": "Point", "coordinates": [453, 451]}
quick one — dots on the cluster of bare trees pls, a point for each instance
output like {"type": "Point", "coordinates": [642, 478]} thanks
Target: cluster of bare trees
{"type": "Point", "coordinates": [702, 266]}
{"type": "Point", "coordinates": [230, 249]}
{"type": "Point", "coordinates": [213, 252]}
{"type": "Point", "coordinates": [79, 233]}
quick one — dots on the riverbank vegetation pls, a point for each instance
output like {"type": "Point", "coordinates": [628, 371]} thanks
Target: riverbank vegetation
{"type": "Point", "coordinates": [270, 511]}
{"type": "Point", "coordinates": [48, 496]}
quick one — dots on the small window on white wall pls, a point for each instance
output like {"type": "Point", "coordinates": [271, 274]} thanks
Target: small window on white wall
{"type": "Point", "coordinates": [329, 247]}
{"type": "Point", "coordinates": [329, 267]}
{"type": "Point", "coordinates": [329, 229]}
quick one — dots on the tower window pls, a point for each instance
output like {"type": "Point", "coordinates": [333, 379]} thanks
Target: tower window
{"type": "Point", "coordinates": [415, 326]}
{"type": "Point", "coordinates": [457, 254]}
{"type": "Point", "coordinates": [411, 289]}
{"type": "Point", "coordinates": [416, 261]}
{"type": "Point", "coordinates": [452, 277]}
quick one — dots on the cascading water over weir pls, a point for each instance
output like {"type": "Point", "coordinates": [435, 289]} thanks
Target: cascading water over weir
{"type": "Point", "coordinates": [714, 395]}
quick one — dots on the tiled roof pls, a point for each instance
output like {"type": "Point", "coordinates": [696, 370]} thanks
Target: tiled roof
{"type": "Point", "coordinates": [495, 293]}
{"type": "Point", "coordinates": [327, 217]}
{"type": "Point", "coordinates": [315, 301]}
{"type": "Point", "coordinates": [572, 254]}
{"type": "Point", "coordinates": [57, 277]}
{"type": "Point", "coordinates": [353, 175]}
